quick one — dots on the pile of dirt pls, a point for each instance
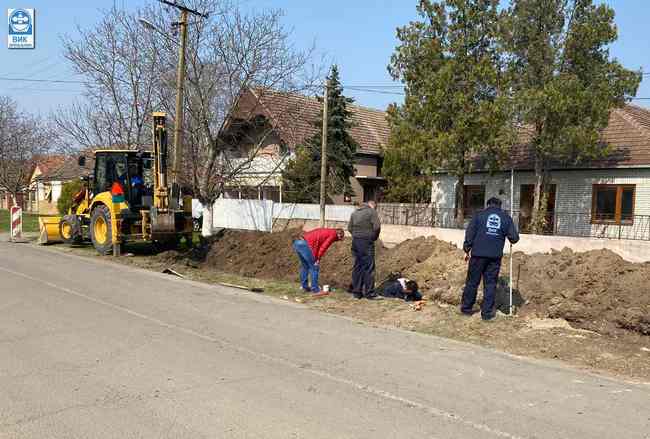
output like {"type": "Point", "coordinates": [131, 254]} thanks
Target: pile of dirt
{"type": "Point", "coordinates": [271, 256]}
{"type": "Point", "coordinates": [255, 254]}
{"type": "Point", "coordinates": [595, 290]}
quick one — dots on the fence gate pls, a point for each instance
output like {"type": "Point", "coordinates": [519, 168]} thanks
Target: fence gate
{"type": "Point", "coordinates": [16, 223]}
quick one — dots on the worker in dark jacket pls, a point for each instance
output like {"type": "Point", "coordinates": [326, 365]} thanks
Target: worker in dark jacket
{"type": "Point", "coordinates": [364, 227]}
{"type": "Point", "coordinates": [484, 241]}
{"type": "Point", "coordinates": [310, 248]}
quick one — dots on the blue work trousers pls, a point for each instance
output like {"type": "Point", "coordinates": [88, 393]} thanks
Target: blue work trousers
{"type": "Point", "coordinates": [487, 269]}
{"type": "Point", "coordinates": [308, 265]}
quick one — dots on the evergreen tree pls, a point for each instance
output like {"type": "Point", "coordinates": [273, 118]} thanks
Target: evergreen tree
{"type": "Point", "coordinates": [454, 112]}
{"type": "Point", "coordinates": [564, 82]}
{"type": "Point", "coordinates": [301, 177]}
{"type": "Point", "coordinates": [406, 164]}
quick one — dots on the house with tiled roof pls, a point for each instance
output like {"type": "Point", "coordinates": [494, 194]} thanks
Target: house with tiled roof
{"type": "Point", "coordinates": [49, 175]}
{"type": "Point", "coordinates": [275, 123]}
{"type": "Point", "coordinates": [605, 197]}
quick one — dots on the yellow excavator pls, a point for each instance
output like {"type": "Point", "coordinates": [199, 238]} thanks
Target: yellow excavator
{"type": "Point", "coordinates": [126, 199]}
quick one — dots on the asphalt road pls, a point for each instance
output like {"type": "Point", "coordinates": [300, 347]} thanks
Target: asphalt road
{"type": "Point", "coordinates": [90, 349]}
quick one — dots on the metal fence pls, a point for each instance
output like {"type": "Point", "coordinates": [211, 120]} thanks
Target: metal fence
{"type": "Point", "coordinates": [573, 224]}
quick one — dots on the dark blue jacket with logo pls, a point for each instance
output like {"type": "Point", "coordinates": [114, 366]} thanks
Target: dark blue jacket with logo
{"type": "Point", "coordinates": [487, 232]}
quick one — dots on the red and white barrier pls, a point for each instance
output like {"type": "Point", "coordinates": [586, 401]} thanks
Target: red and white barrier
{"type": "Point", "coordinates": [16, 223]}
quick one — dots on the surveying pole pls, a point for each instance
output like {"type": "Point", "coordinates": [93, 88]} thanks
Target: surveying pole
{"type": "Point", "coordinates": [323, 158]}
{"type": "Point", "coordinates": [180, 82]}
{"type": "Point", "coordinates": [512, 215]}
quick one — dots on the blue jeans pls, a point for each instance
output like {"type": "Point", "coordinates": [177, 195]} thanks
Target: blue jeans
{"type": "Point", "coordinates": [488, 269]}
{"type": "Point", "coordinates": [307, 265]}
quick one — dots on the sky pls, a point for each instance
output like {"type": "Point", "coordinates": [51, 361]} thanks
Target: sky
{"type": "Point", "coordinates": [358, 35]}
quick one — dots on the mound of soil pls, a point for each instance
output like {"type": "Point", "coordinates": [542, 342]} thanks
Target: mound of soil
{"type": "Point", "coordinates": [595, 290]}
{"type": "Point", "coordinates": [255, 254]}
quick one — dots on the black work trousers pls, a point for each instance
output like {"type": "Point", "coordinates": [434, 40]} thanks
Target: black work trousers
{"type": "Point", "coordinates": [487, 269]}
{"type": "Point", "coordinates": [363, 273]}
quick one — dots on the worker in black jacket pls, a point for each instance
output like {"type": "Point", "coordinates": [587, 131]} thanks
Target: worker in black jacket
{"type": "Point", "coordinates": [484, 241]}
{"type": "Point", "coordinates": [364, 226]}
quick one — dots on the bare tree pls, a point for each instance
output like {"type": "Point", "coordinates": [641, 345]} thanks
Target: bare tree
{"type": "Point", "coordinates": [119, 84]}
{"type": "Point", "coordinates": [228, 54]}
{"type": "Point", "coordinates": [23, 138]}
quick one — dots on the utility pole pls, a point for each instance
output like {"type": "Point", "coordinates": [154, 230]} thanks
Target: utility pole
{"type": "Point", "coordinates": [323, 159]}
{"type": "Point", "coordinates": [180, 83]}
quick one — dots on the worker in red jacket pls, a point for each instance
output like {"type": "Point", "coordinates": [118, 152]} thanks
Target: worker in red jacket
{"type": "Point", "coordinates": [310, 248]}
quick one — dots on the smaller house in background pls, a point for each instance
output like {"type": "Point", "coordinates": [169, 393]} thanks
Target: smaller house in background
{"type": "Point", "coordinates": [608, 197]}
{"type": "Point", "coordinates": [41, 194]}
{"type": "Point", "coordinates": [48, 180]}
{"type": "Point", "coordinates": [28, 199]}
{"type": "Point", "coordinates": [275, 123]}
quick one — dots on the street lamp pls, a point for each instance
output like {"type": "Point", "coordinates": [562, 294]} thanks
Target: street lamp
{"type": "Point", "coordinates": [153, 28]}
{"type": "Point", "coordinates": [147, 24]}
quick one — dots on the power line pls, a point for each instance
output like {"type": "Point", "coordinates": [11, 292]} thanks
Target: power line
{"type": "Point", "coordinates": [51, 81]}
{"type": "Point", "coordinates": [23, 91]}
{"type": "Point", "coordinates": [368, 90]}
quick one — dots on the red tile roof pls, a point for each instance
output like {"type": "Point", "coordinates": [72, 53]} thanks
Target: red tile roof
{"type": "Point", "coordinates": [293, 116]}
{"type": "Point", "coordinates": [49, 162]}
{"type": "Point", "coordinates": [627, 135]}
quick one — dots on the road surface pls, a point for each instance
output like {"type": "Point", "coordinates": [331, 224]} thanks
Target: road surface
{"type": "Point", "coordinates": [90, 349]}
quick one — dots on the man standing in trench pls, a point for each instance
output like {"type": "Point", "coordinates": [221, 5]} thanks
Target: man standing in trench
{"type": "Point", "coordinates": [364, 227]}
{"type": "Point", "coordinates": [484, 241]}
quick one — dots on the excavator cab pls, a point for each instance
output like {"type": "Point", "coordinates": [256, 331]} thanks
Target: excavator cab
{"type": "Point", "coordinates": [130, 172]}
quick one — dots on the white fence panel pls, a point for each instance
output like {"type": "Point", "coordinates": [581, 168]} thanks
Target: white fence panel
{"type": "Point", "coordinates": [243, 214]}
{"type": "Point", "coordinates": [311, 212]}
{"type": "Point", "coordinates": [260, 214]}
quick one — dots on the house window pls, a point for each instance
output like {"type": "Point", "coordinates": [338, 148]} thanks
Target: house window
{"type": "Point", "coordinates": [613, 204]}
{"type": "Point", "coordinates": [474, 199]}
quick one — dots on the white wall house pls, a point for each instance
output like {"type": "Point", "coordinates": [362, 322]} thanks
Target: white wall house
{"type": "Point", "coordinates": [585, 202]}
{"type": "Point", "coordinates": [608, 198]}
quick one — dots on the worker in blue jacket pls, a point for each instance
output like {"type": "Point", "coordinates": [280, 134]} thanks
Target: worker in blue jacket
{"type": "Point", "coordinates": [484, 241]}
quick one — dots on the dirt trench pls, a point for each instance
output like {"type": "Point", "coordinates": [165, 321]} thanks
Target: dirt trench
{"type": "Point", "coordinates": [595, 290]}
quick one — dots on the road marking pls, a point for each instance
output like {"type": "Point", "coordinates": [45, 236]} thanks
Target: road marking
{"type": "Point", "coordinates": [301, 367]}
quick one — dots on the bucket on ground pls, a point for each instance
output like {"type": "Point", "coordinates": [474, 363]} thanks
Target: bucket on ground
{"type": "Point", "coordinates": [49, 229]}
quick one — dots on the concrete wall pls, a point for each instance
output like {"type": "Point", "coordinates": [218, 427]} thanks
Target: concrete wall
{"type": "Point", "coordinates": [243, 214]}
{"type": "Point", "coordinates": [633, 251]}
{"type": "Point", "coordinates": [263, 214]}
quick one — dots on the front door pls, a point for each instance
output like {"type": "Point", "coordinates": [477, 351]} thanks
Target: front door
{"type": "Point", "coordinates": [526, 201]}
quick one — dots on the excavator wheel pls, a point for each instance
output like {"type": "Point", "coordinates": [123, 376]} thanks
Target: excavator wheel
{"type": "Point", "coordinates": [70, 230]}
{"type": "Point", "coordinates": [101, 230]}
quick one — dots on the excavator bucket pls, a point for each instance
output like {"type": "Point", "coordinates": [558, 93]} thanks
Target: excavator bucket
{"type": "Point", "coordinates": [49, 230]}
